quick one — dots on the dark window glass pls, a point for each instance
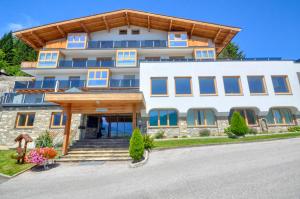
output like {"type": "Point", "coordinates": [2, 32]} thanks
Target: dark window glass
{"type": "Point", "coordinates": [135, 32]}
{"type": "Point", "coordinates": [153, 121]}
{"type": "Point", "coordinates": [280, 84]}
{"type": "Point", "coordinates": [207, 85]}
{"type": "Point", "coordinates": [22, 120]}
{"type": "Point", "coordinates": [92, 122]}
{"type": "Point", "coordinates": [173, 118]}
{"type": "Point", "coordinates": [231, 85]}
{"type": "Point", "coordinates": [183, 85]}
{"type": "Point", "coordinates": [163, 118]}
{"type": "Point", "coordinates": [122, 32]}
{"type": "Point", "coordinates": [256, 84]}
{"type": "Point", "coordinates": [30, 119]}
{"type": "Point", "coordinates": [159, 86]}
{"type": "Point", "coordinates": [56, 119]}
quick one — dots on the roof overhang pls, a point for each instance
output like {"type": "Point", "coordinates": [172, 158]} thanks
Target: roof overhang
{"type": "Point", "coordinates": [37, 37]}
{"type": "Point", "coordinates": [98, 102]}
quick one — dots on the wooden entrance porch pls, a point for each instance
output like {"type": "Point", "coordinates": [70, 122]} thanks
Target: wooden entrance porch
{"type": "Point", "coordinates": [95, 103]}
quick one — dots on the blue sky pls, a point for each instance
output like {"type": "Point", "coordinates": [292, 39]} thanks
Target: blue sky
{"type": "Point", "coordinates": [269, 28]}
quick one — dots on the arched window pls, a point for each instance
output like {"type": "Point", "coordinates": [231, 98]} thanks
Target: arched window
{"type": "Point", "coordinates": [248, 114]}
{"type": "Point", "coordinates": [163, 117]}
{"type": "Point", "coordinates": [280, 116]}
{"type": "Point", "coordinates": [201, 117]}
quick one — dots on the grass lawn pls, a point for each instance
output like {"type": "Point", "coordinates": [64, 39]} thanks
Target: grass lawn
{"type": "Point", "coordinates": [8, 166]}
{"type": "Point", "coordinates": [183, 142]}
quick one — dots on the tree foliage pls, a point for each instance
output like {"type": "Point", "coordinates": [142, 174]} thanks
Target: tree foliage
{"type": "Point", "coordinates": [238, 124]}
{"type": "Point", "coordinates": [136, 148]}
{"type": "Point", "coordinates": [12, 52]}
{"type": "Point", "coordinates": [231, 51]}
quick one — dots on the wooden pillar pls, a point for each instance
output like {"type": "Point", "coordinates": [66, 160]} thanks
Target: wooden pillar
{"type": "Point", "coordinates": [134, 116]}
{"type": "Point", "coordinates": [68, 112]}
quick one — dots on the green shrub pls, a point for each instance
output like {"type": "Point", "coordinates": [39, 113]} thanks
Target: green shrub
{"type": "Point", "coordinates": [184, 136]}
{"type": "Point", "coordinates": [204, 133]}
{"type": "Point", "coordinates": [148, 142]}
{"type": "Point", "coordinates": [238, 125]}
{"type": "Point", "coordinates": [228, 132]}
{"type": "Point", "coordinates": [159, 135]}
{"type": "Point", "coordinates": [294, 128]}
{"type": "Point", "coordinates": [136, 148]}
{"type": "Point", "coordinates": [44, 140]}
{"type": "Point", "coordinates": [252, 131]}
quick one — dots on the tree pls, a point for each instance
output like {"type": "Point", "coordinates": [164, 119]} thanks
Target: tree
{"type": "Point", "coordinates": [136, 148]}
{"type": "Point", "coordinates": [238, 124]}
{"type": "Point", "coordinates": [7, 46]}
{"type": "Point", "coordinates": [231, 51]}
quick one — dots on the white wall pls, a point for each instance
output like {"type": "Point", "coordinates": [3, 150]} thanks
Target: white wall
{"type": "Point", "coordinates": [221, 102]}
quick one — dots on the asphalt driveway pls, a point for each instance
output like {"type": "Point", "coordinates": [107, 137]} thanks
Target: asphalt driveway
{"type": "Point", "coordinates": [252, 170]}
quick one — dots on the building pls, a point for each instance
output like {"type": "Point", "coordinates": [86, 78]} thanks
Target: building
{"type": "Point", "coordinates": [103, 75]}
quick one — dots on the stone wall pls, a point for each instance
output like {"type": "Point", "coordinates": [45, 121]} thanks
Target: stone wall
{"type": "Point", "coordinates": [8, 130]}
{"type": "Point", "coordinates": [7, 83]}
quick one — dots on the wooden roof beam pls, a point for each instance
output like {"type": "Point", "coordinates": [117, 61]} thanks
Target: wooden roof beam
{"type": "Point", "coordinates": [61, 31]}
{"type": "Point", "coordinates": [170, 26]}
{"type": "Point", "coordinates": [227, 36]}
{"type": "Point", "coordinates": [106, 24]}
{"type": "Point", "coordinates": [127, 19]}
{"type": "Point", "coordinates": [218, 33]}
{"type": "Point", "coordinates": [28, 42]}
{"type": "Point", "coordinates": [40, 41]}
{"type": "Point", "coordinates": [83, 26]}
{"type": "Point", "coordinates": [149, 24]}
{"type": "Point", "coordinates": [192, 30]}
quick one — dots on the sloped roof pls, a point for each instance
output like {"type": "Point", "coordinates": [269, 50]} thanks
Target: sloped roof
{"type": "Point", "coordinates": [36, 37]}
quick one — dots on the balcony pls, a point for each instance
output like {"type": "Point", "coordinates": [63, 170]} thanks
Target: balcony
{"type": "Point", "coordinates": [127, 44]}
{"type": "Point", "coordinates": [67, 84]}
{"type": "Point", "coordinates": [28, 65]}
{"type": "Point", "coordinates": [86, 63]}
{"type": "Point", "coordinates": [21, 98]}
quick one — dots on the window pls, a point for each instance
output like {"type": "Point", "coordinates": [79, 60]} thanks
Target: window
{"type": "Point", "coordinates": [49, 82]}
{"type": "Point", "coordinates": [207, 85]}
{"type": "Point", "coordinates": [123, 32]}
{"type": "Point", "coordinates": [98, 78]}
{"type": "Point", "coordinates": [25, 120]}
{"type": "Point", "coordinates": [205, 53]}
{"type": "Point", "coordinates": [126, 57]}
{"type": "Point", "coordinates": [163, 118]}
{"type": "Point", "coordinates": [58, 119]}
{"type": "Point", "coordinates": [177, 39]}
{"type": "Point", "coordinates": [183, 86]}
{"type": "Point", "coordinates": [281, 84]}
{"type": "Point", "coordinates": [280, 116]}
{"type": "Point", "coordinates": [159, 86]}
{"type": "Point", "coordinates": [257, 85]}
{"type": "Point", "coordinates": [232, 85]}
{"type": "Point", "coordinates": [135, 32]}
{"type": "Point", "coordinates": [201, 117]}
{"type": "Point", "coordinates": [248, 114]}
{"type": "Point", "coordinates": [76, 40]}
{"type": "Point", "coordinates": [48, 59]}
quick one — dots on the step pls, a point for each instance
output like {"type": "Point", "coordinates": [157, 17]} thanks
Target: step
{"type": "Point", "coordinates": [99, 149]}
{"type": "Point", "coordinates": [97, 152]}
{"type": "Point", "coordinates": [93, 159]}
{"type": "Point", "coordinates": [94, 155]}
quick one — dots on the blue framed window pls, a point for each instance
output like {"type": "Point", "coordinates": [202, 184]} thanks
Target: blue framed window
{"type": "Point", "coordinates": [256, 84]}
{"type": "Point", "coordinates": [205, 53]}
{"type": "Point", "coordinates": [48, 59]}
{"type": "Point", "coordinates": [207, 85]}
{"type": "Point", "coordinates": [178, 39]}
{"type": "Point", "coordinates": [162, 117]}
{"type": "Point", "coordinates": [281, 84]}
{"type": "Point", "coordinates": [126, 58]}
{"type": "Point", "coordinates": [201, 117]}
{"type": "Point", "coordinates": [280, 116]}
{"type": "Point", "coordinates": [183, 85]}
{"type": "Point", "coordinates": [77, 40]}
{"type": "Point", "coordinates": [232, 85]}
{"type": "Point", "coordinates": [98, 78]}
{"type": "Point", "coordinates": [58, 119]}
{"type": "Point", "coordinates": [159, 86]}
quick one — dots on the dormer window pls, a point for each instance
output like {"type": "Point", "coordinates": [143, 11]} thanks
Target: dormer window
{"type": "Point", "coordinates": [205, 54]}
{"type": "Point", "coordinates": [126, 58]}
{"type": "Point", "coordinates": [135, 32]}
{"type": "Point", "coordinates": [123, 32]}
{"type": "Point", "coordinates": [48, 59]}
{"type": "Point", "coordinates": [77, 40]}
{"type": "Point", "coordinates": [177, 39]}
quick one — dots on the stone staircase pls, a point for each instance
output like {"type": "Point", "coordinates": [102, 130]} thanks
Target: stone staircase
{"type": "Point", "coordinates": [97, 150]}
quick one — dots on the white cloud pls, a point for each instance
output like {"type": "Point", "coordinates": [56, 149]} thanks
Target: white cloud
{"type": "Point", "coordinates": [15, 26]}
{"type": "Point", "coordinates": [26, 22]}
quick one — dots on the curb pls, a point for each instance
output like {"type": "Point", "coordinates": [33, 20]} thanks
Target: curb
{"type": "Point", "coordinates": [141, 163]}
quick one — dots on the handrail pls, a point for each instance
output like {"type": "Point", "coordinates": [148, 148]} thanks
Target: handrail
{"type": "Point", "coordinates": [127, 44]}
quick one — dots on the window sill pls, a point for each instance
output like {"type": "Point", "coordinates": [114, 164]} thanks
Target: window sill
{"type": "Point", "coordinates": [199, 126]}
{"type": "Point", "coordinates": [283, 93]}
{"type": "Point", "coordinates": [159, 95]}
{"type": "Point", "coordinates": [24, 127]}
{"type": "Point", "coordinates": [57, 127]}
{"type": "Point", "coordinates": [274, 125]}
{"type": "Point", "coordinates": [183, 95]}
{"type": "Point", "coordinates": [159, 127]}
{"type": "Point", "coordinates": [259, 94]}
{"type": "Point", "coordinates": [238, 94]}
{"type": "Point", "coordinates": [209, 94]}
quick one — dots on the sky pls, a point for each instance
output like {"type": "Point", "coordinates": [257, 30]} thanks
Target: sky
{"type": "Point", "coordinates": [270, 28]}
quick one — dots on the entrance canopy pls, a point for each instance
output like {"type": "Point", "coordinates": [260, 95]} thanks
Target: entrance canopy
{"type": "Point", "coordinates": [89, 102]}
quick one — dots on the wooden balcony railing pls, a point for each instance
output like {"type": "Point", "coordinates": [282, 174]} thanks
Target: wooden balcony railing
{"type": "Point", "coordinates": [28, 64]}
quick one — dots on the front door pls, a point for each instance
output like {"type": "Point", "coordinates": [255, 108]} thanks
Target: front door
{"type": "Point", "coordinates": [115, 126]}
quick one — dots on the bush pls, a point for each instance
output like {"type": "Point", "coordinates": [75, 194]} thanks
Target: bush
{"type": "Point", "coordinates": [229, 133]}
{"type": "Point", "coordinates": [159, 135]}
{"type": "Point", "coordinates": [136, 148]}
{"type": "Point", "coordinates": [44, 140]}
{"type": "Point", "coordinates": [238, 125]}
{"type": "Point", "coordinates": [294, 128]}
{"type": "Point", "coordinates": [148, 142]}
{"type": "Point", "coordinates": [204, 133]}
{"type": "Point", "coordinates": [252, 131]}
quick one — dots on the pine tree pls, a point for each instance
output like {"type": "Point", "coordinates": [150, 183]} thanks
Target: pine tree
{"type": "Point", "coordinates": [231, 51]}
{"type": "Point", "coordinates": [136, 148]}
{"type": "Point", "coordinates": [7, 46]}
{"type": "Point", "coordinates": [238, 124]}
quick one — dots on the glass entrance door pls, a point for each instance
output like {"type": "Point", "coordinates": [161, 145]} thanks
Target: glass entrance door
{"type": "Point", "coordinates": [115, 126]}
